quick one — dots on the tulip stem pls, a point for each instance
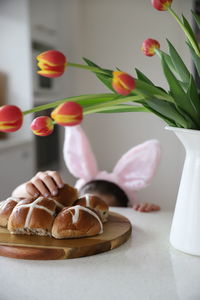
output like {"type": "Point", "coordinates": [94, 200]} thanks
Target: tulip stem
{"type": "Point", "coordinates": [120, 109]}
{"type": "Point", "coordinates": [104, 106]}
{"type": "Point", "coordinates": [74, 99]}
{"type": "Point", "coordinates": [187, 33]}
{"type": "Point", "coordinates": [93, 69]}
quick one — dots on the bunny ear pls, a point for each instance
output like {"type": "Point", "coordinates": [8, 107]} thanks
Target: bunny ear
{"type": "Point", "coordinates": [78, 154]}
{"type": "Point", "coordinates": [136, 167]}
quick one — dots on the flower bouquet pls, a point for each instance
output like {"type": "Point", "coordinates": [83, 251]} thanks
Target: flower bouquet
{"type": "Point", "coordinates": [179, 107]}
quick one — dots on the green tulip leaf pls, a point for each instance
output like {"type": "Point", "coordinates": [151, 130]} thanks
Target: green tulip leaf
{"type": "Point", "coordinates": [146, 89]}
{"type": "Point", "coordinates": [189, 120]}
{"type": "Point", "coordinates": [168, 110]}
{"type": "Point", "coordinates": [168, 59]}
{"type": "Point", "coordinates": [143, 77]}
{"type": "Point", "coordinates": [184, 85]}
{"type": "Point", "coordinates": [180, 67]}
{"type": "Point", "coordinates": [196, 18]}
{"type": "Point", "coordinates": [92, 64]}
{"type": "Point", "coordinates": [105, 79]}
{"type": "Point", "coordinates": [118, 99]}
{"type": "Point", "coordinates": [193, 96]}
{"type": "Point", "coordinates": [164, 114]}
{"type": "Point", "coordinates": [191, 36]}
{"type": "Point", "coordinates": [177, 92]}
{"type": "Point", "coordinates": [195, 58]}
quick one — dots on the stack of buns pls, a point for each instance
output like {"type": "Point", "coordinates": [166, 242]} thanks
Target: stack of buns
{"type": "Point", "coordinates": [61, 216]}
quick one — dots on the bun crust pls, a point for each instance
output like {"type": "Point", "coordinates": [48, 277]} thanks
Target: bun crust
{"type": "Point", "coordinates": [76, 221]}
{"type": "Point", "coordinates": [95, 203]}
{"type": "Point", "coordinates": [6, 208]}
{"type": "Point", "coordinates": [66, 197]}
{"type": "Point", "coordinates": [32, 216]}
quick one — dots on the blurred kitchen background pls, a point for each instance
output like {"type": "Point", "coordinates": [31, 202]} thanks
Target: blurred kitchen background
{"type": "Point", "coordinates": [109, 32]}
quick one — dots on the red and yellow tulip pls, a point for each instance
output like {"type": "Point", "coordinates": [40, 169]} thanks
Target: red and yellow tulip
{"type": "Point", "coordinates": [123, 83]}
{"type": "Point", "coordinates": [52, 63]}
{"type": "Point", "coordinates": [161, 4]}
{"type": "Point", "coordinates": [68, 114]}
{"type": "Point", "coordinates": [149, 46]}
{"type": "Point", "coordinates": [11, 118]}
{"type": "Point", "coordinates": [42, 126]}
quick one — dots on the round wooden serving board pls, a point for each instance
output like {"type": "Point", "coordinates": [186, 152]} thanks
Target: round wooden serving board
{"type": "Point", "coordinates": [116, 232]}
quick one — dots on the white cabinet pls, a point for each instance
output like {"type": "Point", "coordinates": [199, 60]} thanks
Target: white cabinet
{"type": "Point", "coordinates": [16, 167]}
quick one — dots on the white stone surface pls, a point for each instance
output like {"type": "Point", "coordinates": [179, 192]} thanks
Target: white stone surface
{"type": "Point", "coordinates": [144, 268]}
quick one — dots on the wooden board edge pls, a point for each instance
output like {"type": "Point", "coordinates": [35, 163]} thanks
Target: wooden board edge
{"type": "Point", "coordinates": [31, 253]}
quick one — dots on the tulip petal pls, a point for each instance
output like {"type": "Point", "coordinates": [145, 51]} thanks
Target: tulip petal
{"type": "Point", "coordinates": [149, 46]}
{"type": "Point", "coordinates": [120, 89]}
{"type": "Point", "coordinates": [123, 83]}
{"type": "Point", "coordinates": [68, 114]}
{"type": "Point", "coordinates": [52, 63]}
{"type": "Point", "coordinates": [44, 66]}
{"type": "Point", "coordinates": [127, 82]}
{"type": "Point", "coordinates": [50, 74]}
{"type": "Point", "coordinates": [11, 118]}
{"type": "Point", "coordinates": [10, 126]}
{"type": "Point", "coordinates": [42, 126]}
{"type": "Point", "coordinates": [161, 5]}
{"type": "Point", "coordinates": [65, 120]}
{"type": "Point", "coordinates": [52, 58]}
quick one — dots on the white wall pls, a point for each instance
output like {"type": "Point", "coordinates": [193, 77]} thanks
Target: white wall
{"type": "Point", "coordinates": [111, 34]}
{"type": "Point", "coordinates": [70, 34]}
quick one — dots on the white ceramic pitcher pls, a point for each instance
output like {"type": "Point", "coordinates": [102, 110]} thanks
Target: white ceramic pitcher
{"type": "Point", "coordinates": [185, 230]}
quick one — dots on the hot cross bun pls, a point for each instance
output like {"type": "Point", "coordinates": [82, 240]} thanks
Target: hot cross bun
{"type": "Point", "coordinates": [6, 208]}
{"type": "Point", "coordinates": [95, 203]}
{"type": "Point", "coordinates": [76, 221]}
{"type": "Point", "coordinates": [32, 216]}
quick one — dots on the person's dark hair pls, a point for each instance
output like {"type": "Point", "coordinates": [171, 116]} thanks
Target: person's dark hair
{"type": "Point", "coordinates": [107, 188]}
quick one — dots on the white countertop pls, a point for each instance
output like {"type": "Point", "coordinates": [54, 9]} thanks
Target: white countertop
{"type": "Point", "coordinates": [144, 268]}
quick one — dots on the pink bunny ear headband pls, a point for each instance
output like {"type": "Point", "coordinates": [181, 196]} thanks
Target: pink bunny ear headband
{"type": "Point", "coordinates": [132, 172]}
